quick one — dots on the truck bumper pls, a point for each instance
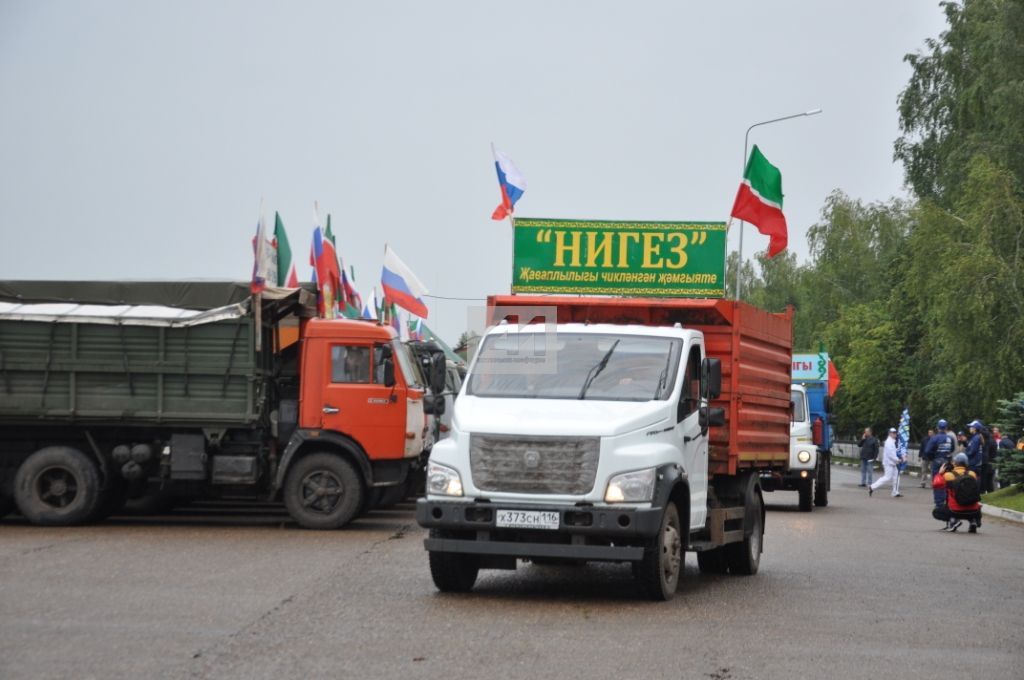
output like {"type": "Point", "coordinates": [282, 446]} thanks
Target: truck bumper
{"type": "Point", "coordinates": [592, 533]}
{"type": "Point", "coordinates": [785, 481]}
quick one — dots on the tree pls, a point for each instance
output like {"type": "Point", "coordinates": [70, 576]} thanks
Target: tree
{"type": "Point", "coordinates": [964, 99]}
{"type": "Point", "coordinates": [966, 285]}
{"type": "Point", "coordinates": [1011, 422]}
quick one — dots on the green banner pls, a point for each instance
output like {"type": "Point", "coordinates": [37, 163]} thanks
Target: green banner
{"type": "Point", "coordinates": [666, 259]}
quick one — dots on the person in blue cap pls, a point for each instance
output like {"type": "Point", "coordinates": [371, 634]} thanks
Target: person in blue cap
{"type": "Point", "coordinates": [939, 449]}
{"type": "Point", "coordinates": [975, 447]}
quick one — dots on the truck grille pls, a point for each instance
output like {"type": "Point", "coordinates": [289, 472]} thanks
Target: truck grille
{"type": "Point", "coordinates": [531, 464]}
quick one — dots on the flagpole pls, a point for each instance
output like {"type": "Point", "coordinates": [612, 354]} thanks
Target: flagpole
{"type": "Point", "coordinates": [746, 142]}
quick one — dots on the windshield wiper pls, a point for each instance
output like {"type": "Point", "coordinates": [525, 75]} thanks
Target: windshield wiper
{"type": "Point", "coordinates": [596, 369]}
{"type": "Point", "coordinates": [663, 378]}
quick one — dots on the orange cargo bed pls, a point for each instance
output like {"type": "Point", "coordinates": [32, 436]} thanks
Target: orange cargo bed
{"type": "Point", "coordinates": [754, 346]}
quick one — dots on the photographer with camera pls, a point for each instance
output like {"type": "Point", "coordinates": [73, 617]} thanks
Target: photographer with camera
{"type": "Point", "coordinates": [963, 495]}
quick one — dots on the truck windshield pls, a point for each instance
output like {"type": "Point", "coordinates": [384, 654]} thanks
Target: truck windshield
{"type": "Point", "coordinates": [583, 366]}
{"type": "Point", "coordinates": [799, 412]}
{"type": "Point", "coordinates": [407, 364]}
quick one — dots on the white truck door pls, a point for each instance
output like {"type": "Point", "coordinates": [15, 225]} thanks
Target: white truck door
{"type": "Point", "coordinates": [693, 446]}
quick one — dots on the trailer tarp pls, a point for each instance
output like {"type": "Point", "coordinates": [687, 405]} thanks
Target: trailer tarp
{"type": "Point", "coordinates": [199, 295]}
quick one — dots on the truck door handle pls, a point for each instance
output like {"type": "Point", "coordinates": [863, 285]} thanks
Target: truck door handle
{"type": "Point", "coordinates": [331, 409]}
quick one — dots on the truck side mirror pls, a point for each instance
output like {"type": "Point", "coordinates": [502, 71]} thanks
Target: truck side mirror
{"type": "Point", "coordinates": [710, 416]}
{"type": "Point", "coordinates": [439, 405]}
{"type": "Point", "coordinates": [711, 378]}
{"type": "Point", "coordinates": [437, 373]}
{"type": "Point", "coordinates": [389, 372]}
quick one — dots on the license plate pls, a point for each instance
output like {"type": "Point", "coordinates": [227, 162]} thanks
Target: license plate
{"type": "Point", "coordinates": [527, 519]}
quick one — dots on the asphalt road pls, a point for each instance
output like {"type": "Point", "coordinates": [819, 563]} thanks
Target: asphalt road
{"type": "Point", "coordinates": [866, 588]}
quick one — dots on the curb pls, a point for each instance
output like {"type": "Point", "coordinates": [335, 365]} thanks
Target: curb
{"type": "Point", "coordinates": [991, 510]}
{"type": "Point", "coordinates": [1003, 513]}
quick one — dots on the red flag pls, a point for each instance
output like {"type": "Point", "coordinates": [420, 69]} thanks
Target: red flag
{"type": "Point", "coordinates": [833, 379]}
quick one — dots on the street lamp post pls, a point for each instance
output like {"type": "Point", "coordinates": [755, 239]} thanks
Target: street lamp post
{"type": "Point", "coordinates": [746, 142]}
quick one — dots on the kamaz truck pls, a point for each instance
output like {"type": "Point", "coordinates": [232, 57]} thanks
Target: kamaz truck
{"type": "Point", "coordinates": [626, 430]}
{"type": "Point", "coordinates": [810, 451]}
{"type": "Point", "coordinates": [116, 390]}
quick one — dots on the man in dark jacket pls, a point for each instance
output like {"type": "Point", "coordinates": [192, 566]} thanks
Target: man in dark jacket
{"type": "Point", "coordinates": [975, 447]}
{"type": "Point", "coordinates": [939, 450]}
{"type": "Point", "coordinates": [925, 459]}
{"type": "Point", "coordinates": [868, 455]}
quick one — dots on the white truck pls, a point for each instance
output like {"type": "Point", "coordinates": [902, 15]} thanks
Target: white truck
{"type": "Point", "coordinates": [808, 472]}
{"type": "Point", "coordinates": [628, 450]}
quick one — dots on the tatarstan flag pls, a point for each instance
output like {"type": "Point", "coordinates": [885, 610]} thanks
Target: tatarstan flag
{"type": "Point", "coordinates": [759, 201]}
{"type": "Point", "coordinates": [287, 277]}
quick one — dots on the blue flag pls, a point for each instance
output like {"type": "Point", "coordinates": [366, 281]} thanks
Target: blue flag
{"type": "Point", "coordinates": [903, 437]}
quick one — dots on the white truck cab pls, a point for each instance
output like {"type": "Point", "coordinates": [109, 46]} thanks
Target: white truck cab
{"type": "Point", "coordinates": [588, 448]}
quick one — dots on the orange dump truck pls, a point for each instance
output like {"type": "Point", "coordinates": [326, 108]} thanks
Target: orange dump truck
{"type": "Point", "coordinates": [612, 429]}
{"type": "Point", "coordinates": [117, 390]}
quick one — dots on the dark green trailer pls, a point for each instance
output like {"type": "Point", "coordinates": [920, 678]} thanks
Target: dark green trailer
{"type": "Point", "coordinates": [103, 379]}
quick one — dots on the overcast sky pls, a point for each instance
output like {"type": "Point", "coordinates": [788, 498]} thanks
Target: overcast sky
{"type": "Point", "coordinates": [137, 138]}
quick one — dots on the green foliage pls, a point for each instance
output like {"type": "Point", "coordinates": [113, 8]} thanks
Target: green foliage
{"type": "Point", "coordinates": [922, 304]}
{"type": "Point", "coordinates": [869, 346]}
{"type": "Point", "coordinates": [964, 98]}
{"type": "Point", "coordinates": [1010, 421]}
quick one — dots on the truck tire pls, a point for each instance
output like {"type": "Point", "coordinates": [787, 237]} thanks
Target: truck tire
{"type": "Point", "coordinates": [323, 491]}
{"type": "Point", "coordinates": [824, 480]}
{"type": "Point", "coordinates": [57, 486]}
{"type": "Point", "coordinates": [745, 557]}
{"type": "Point", "coordinates": [658, 572]}
{"type": "Point", "coordinates": [452, 572]}
{"type": "Point", "coordinates": [712, 561]}
{"type": "Point", "coordinates": [805, 487]}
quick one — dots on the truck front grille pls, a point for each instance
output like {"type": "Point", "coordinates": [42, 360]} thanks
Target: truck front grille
{"type": "Point", "coordinates": [531, 464]}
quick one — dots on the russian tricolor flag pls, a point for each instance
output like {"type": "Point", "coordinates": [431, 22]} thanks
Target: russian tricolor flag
{"type": "Point", "coordinates": [401, 286]}
{"type": "Point", "coordinates": [512, 184]}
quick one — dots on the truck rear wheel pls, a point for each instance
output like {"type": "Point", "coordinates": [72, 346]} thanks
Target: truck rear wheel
{"type": "Point", "coordinates": [805, 488]}
{"type": "Point", "coordinates": [323, 491]}
{"type": "Point", "coordinates": [453, 572]}
{"type": "Point", "coordinates": [57, 486]}
{"type": "Point", "coordinates": [823, 482]}
{"type": "Point", "coordinates": [745, 557]}
{"type": "Point", "coordinates": [658, 572]}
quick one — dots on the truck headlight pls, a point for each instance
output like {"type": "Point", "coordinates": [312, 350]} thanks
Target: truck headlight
{"type": "Point", "coordinates": [631, 487]}
{"type": "Point", "coordinates": [443, 480]}
{"type": "Point", "coordinates": [804, 456]}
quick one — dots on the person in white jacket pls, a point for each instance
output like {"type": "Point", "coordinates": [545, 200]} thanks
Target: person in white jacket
{"type": "Point", "coordinates": [890, 465]}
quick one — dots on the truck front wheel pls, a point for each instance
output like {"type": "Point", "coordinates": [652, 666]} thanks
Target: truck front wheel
{"type": "Point", "coordinates": [658, 572]}
{"type": "Point", "coordinates": [452, 572]}
{"type": "Point", "coordinates": [323, 491]}
{"type": "Point", "coordinates": [805, 488]}
{"type": "Point", "coordinates": [57, 486]}
{"type": "Point", "coordinates": [822, 484]}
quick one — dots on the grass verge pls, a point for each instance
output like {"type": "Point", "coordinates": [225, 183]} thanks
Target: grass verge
{"type": "Point", "coordinates": [1011, 498]}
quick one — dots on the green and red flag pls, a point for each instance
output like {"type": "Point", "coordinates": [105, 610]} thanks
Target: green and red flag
{"type": "Point", "coordinates": [287, 277]}
{"type": "Point", "coordinates": [759, 201]}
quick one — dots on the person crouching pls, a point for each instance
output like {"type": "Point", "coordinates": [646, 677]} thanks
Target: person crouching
{"type": "Point", "coordinates": [963, 495]}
